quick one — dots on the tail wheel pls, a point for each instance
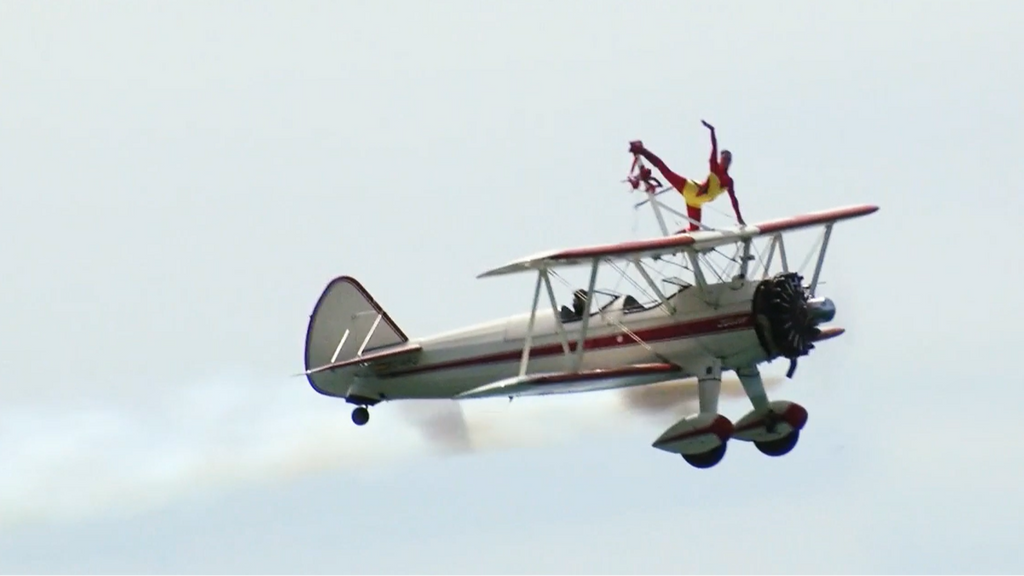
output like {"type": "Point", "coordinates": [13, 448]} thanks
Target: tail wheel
{"type": "Point", "coordinates": [779, 447]}
{"type": "Point", "coordinates": [360, 416]}
{"type": "Point", "coordinates": [706, 459]}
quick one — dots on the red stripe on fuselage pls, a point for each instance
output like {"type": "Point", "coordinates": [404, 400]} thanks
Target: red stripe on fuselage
{"type": "Point", "coordinates": [599, 374]}
{"type": "Point", "coordinates": [690, 329]}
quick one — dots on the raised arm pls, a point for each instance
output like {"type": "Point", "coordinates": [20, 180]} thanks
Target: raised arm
{"type": "Point", "coordinates": [713, 161]}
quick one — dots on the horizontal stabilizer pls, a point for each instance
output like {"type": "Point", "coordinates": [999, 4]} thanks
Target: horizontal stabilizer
{"type": "Point", "coordinates": [379, 359]}
{"type": "Point", "coordinates": [570, 382]}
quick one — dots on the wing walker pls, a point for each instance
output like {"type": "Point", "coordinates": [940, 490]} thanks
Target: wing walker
{"type": "Point", "coordinates": [729, 301]}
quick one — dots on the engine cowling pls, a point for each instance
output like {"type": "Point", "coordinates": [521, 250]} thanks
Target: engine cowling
{"type": "Point", "coordinates": [786, 317]}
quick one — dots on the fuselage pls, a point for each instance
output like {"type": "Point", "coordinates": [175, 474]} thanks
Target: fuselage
{"type": "Point", "coordinates": [719, 322]}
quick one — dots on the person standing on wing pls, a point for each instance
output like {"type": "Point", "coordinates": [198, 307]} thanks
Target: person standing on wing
{"type": "Point", "coordinates": [696, 195]}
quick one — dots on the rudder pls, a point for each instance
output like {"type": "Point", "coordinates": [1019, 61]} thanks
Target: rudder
{"type": "Point", "coordinates": [342, 319]}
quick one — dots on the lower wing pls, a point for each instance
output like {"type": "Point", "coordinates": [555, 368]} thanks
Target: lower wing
{"type": "Point", "coordinates": [570, 382]}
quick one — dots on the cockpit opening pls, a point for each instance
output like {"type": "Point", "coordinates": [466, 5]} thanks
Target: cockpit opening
{"type": "Point", "coordinates": [579, 301]}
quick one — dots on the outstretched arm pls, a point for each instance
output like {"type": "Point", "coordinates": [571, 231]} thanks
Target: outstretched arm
{"type": "Point", "coordinates": [736, 205]}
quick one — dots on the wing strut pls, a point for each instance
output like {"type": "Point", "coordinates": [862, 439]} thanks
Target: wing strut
{"type": "Point", "coordinates": [643, 174]}
{"type": "Point", "coordinates": [698, 272]}
{"type": "Point", "coordinates": [554, 310]}
{"type": "Point", "coordinates": [821, 258]}
{"type": "Point", "coordinates": [578, 361]}
{"type": "Point", "coordinates": [654, 286]}
{"type": "Point", "coordinates": [529, 326]}
{"type": "Point", "coordinates": [771, 255]}
{"type": "Point", "coordinates": [782, 253]}
{"type": "Point", "coordinates": [780, 244]}
{"type": "Point", "coordinates": [657, 212]}
{"type": "Point", "coordinates": [542, 277]}
{"type": "Point", "coordinates": [745, 264]}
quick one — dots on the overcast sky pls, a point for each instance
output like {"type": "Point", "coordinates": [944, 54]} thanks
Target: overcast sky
{"type": "Point", "coordinates": [180, 180]}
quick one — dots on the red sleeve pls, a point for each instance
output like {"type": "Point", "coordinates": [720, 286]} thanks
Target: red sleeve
{"type": "Point", "coordinates": [735, 202]}
{"type": "Point", "coordinates": [713, 161]}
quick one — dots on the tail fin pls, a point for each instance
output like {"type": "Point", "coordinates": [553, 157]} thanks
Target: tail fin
{"type": "Point", "coordinates": [347, 322]}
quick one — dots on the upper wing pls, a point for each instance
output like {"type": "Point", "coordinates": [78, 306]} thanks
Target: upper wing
{"type": "Point", "coordinates": [702, 240]}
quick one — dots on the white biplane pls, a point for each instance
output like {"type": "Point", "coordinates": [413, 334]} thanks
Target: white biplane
{"type": "Point", "coordinates": [692, 328]}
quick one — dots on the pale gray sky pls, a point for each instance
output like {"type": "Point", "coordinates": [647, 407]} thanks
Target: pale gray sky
{"type": "Point", "coordinates": [180, 180]}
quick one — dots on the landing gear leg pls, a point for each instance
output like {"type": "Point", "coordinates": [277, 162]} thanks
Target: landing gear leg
{"type": "Point", "coordinates": [360, 416]}
{"type": "Point", "coordinates": [709, 388]}
{"type": "Point", "coordinates": [750, 377]}
{"type": "Point", "coordinates": [762, 424]}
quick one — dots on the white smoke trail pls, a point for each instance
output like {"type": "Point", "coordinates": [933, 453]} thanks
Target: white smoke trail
{"type": "Point", "coordinates": [63, 463]}
{"type": "Point", "coordinates": [66, 462]}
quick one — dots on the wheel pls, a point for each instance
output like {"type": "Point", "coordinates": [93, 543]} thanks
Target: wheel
{"type": "Point", "coordinates": [360, 416]}
{"type": "Point", "coordinates": [780, 447]}
{"type": "Point", "coordinates": [706, 459]}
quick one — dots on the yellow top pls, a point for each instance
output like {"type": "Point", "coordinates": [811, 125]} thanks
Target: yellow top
{"type": "Point", "coordinates": [693, 197]}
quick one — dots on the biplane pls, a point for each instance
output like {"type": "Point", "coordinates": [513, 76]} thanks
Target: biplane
{"type": "Point", "coordinates": [694, 327]}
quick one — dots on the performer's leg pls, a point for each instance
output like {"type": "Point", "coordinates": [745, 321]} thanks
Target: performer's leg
{"type": "Point", "coordinates": [677, 181]}
{"type": "Point", "coordinates": [694, 213]}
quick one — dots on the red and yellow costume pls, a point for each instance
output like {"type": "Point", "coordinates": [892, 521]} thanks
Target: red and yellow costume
{"type": "Point", "coordinates": [696, 195]}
